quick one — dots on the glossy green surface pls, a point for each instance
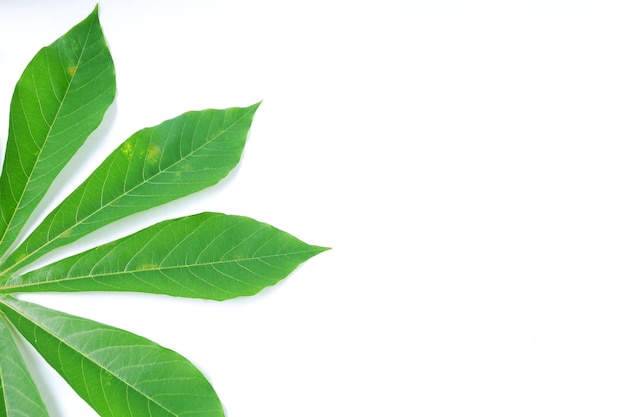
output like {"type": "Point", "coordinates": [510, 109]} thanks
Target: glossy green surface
{"type": "Point", "coordinates": [58, 102]}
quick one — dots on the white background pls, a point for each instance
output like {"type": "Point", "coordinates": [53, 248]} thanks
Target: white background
{"type": "Point", "coordinates": [464, 159]}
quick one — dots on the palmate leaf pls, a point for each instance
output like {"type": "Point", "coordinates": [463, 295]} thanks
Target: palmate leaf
{"type": "Point", "coordinates": [19, 396]}
{"type": "Point", "coordinates": [116, 372]}
{"type": "Point", "coordinates": [208, 255]}
{"type": "Point", "coordinates": [59, 100]}
{"type": "Point", "coordinates": [154, 166]}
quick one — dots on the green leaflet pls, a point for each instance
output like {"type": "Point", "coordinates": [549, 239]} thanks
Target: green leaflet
{"type": "Point", "coordinates": [118, 373]}
{"type": "Point", "coordinates": [58, 101]}
{"type": "Point", "coordinates": [19, 396]}
{"type": "Point", "coordinates": [207, 255]}
{"type": "Point", "coordinates": [155, 165]}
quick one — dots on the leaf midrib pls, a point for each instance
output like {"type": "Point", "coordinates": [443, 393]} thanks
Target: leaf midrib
{"type": "Point", "coordinates": [135, 271]}
{"type": "Point", "coordinates": [50, 128]}
{"type": "Point", "coordinates": [51, 334]}
{"type": "Point", "coordinates": [126, 192]}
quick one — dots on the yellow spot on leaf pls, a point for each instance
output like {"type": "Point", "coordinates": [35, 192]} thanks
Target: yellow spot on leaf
{"type": "Point", "coordinates": [148, 266]}
{"type": "Point", "coordinates": [127, 149]}
{"type": "Point", "coordinates": [71, 70]}
{"type": "Point", "coordinates": [154, 153]}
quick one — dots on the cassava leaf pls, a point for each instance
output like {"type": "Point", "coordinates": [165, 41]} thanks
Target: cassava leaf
{"type": "Point", "coordinates": [154, 166]}
{"type": "Point", "coordinates": [19, 396]}
{"type": "Point", "coordinates": [208, 255]}
{"type": "Point", "coordinates": [116, 372]}
{"type": "Point", "coordinates": [59, 100]}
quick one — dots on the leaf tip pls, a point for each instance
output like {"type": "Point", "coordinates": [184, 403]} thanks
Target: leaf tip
{"type": "Point", "coordinates": [255, 106]}
{"type": "Point", "coordinates": [95, 15]}
{"type": "Point", "coordinates": [320, 249]}
{"type": "Point", "coordinates": [316, 250]}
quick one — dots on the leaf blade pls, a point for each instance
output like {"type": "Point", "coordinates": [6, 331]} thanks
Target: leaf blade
{"type": "Point", "coordinates": [155, 165]}
{"type": "Point", "coordinates": [207, 255]}
{"type": "Point", "coordinates": [19, 396]}
{"type": "Point", "coordinates": [58, 101]}
{"type": "Point", "coordinates": [116, 372]}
